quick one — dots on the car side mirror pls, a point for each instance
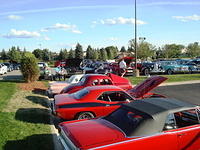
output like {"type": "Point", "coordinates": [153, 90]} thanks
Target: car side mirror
{"type": "Point", "coordinates": [169, 127]}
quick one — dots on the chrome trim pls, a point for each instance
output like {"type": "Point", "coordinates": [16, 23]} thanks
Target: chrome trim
{"type": "Point", "coordinates": [66, 142]}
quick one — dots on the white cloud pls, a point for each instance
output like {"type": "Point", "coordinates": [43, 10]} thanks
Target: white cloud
{"type": "Point", "coordinates": [21, 34]}
{"type": "Point", "coordinates": [58, 26]}
{"type": "Point", "coordinates": [46, 38]}
{"type": "Point", "coordinates": [76, 31]}
{"type": "Point", "coordinates": [113, 39]}
{"type": "Point", "coordinates": [14, 17]}
{"type": "Point", "coordinates": [119, 20]}
{"type": "Point", "coordinates": [187, 18]}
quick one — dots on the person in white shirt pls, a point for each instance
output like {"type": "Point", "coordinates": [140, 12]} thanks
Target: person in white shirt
{"type": "Point", "coordinates": [122, 66]}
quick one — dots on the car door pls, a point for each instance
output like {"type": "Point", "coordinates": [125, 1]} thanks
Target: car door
{"type": "Point", "coordinates": [114, 99]}
{"type": "Point", "coordinates": [189, 129]}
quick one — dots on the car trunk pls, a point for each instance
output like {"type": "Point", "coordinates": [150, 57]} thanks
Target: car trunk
{"type": "Point", "coordinates": [92, 133]}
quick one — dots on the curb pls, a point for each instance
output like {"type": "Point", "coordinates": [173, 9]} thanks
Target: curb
{"type": "Point", "coordinates": [180, 83]}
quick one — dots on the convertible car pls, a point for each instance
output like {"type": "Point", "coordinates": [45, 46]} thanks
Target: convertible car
{"type": "Point", "coordinates": [56, 87]}
{"type": "Point", "coordinates": [96, 101]}
{"type": "Point", "coordinates": [96, 80]}
{"type": "Point", "coordinates": [153, 124]}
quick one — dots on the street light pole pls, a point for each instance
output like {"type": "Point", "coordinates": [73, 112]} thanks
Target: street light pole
{"type": "Point", "coordinates": [136, 70]}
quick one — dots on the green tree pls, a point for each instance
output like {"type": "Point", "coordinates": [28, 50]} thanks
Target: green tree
{"type": "Point", "coordinates": [63, 54]}
{"type": "Point", "coordinates": [71, 54]}
{"type": "Point", "coordinates": [145, 50]}
{"type": "Point", "coordinates": [172, 50]}
{"type": "Point", "coordinates": [14, 55]}
{"type": "Point", "coordinates": [79, 51]}
{"type": "Point", "coordinates": [159, 53]}
{"type": "Point", "coordinates": [38, 53]}
{"type": "Point", "coordinates": [4, 55]}
{"type": "Point", "coordinates": [103, 54]}
{"type": "Point", "coordinates": [96, 54]}
{"type": "Point", "coordinates": [89, 53]}
{"type": "Point", "coordinates": [123, 49]}
{"type": "Point", "coordinates": [193, 49]}
{"type": "Point", "coordinates": [29, 67]}
{"type": "Point", "coordinates": [109, 51]}
{"type": "Point", "coordinates": [46, 55]}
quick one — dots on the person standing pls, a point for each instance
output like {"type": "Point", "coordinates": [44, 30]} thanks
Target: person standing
{"type": "Point", "coordinates": [122, 67]}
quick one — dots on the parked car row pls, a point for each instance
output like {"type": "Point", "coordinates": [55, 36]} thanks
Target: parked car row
{"type": "Point", "coordinates": [103, 112]}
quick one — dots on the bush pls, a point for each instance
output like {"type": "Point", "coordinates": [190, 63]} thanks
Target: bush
{"type": "Point", "coordinates": [29, 67]}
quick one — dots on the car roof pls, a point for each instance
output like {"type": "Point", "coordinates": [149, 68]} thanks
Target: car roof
{"type": "Point", "coordinates": [157, 109]}
{"type": "Point", "coordinates": [155, 106]}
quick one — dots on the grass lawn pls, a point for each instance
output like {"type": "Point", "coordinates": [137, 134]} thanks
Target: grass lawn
{"type": "Point", "coordinates": [24, 122]}
{"type": "Point", "coordinates": [171, 78]}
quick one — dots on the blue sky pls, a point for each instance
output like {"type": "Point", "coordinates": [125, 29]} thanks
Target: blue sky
{"type": "Point", "coordinates": [62, 23]}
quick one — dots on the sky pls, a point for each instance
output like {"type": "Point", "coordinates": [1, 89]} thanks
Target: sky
{"type": "Point", "coordinates": [58, 24]}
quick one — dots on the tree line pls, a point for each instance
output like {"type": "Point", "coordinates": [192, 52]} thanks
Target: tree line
{"type": "Point", "coordinates": [145, 50]}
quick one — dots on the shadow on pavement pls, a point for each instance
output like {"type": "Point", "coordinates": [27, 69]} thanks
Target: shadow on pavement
{"type": "Point", "coordinates": [39, 91]}
{"type": "Point", "coordinates": [33, 142]}
{"type": "Point", "coordinates": [39, 100]}
{"type": "Point", "coordinates": [33, 115]}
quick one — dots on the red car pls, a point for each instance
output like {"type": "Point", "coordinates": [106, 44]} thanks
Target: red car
{"type": "Point", "coordinates": [98, 79]}
{"type": "Point", "coordinates": [96, 101]}
{"type": "Point", "coordinates": [149, 124]}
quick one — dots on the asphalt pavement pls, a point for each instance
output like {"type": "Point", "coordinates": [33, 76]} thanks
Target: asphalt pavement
{"type": "Point", "coordinates": [184, 92]}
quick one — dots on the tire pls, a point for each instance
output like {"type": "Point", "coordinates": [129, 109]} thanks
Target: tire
{"type": "Point", "coordinates": [84, 115]}
{"type": "Point", "coordinates": [169, 71]}
{"type": "Point", "coordinates": [146, 72]}
{"type": "Point", "coordinates": [190, 71]}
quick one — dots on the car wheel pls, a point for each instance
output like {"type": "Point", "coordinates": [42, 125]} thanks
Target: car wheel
{"type": "Point", "coordinates": [85, 115]}
{"type": "Point", "coordinates": [190, 71]}
{"type": "Point", "coordinates": [146, 72]}
{"type": "Point", "coordinates": [169, 72]}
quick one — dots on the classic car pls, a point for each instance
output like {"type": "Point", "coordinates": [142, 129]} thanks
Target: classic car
{"type": "Point", "coordinates": [3, 69]}
{"type": "Point", "coordinates": [96, 101]}
{"type": "Point", "coordinates": [9, 66]}
{"type": "Point", "coordinates": [152, 123]}
{"type": "Point", "coordinates": [194, 65]}
{"type": "Point", "coordinates": [96, 80]}
{"type": "Point", "coordinates": [56, 87]}
{"type": "Point", "coordinates": [148, 68]}
{"type": "Point", "coordinates": [171, 67]}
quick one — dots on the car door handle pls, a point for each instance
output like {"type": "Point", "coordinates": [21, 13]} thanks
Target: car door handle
{"type": "Point", "coordinates": [107, 105]}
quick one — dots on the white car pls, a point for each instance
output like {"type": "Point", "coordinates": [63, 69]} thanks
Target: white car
{"type": "Point", "coordinates": [56, 87]}
{"type": "Point", "coordinates": [3, 69]}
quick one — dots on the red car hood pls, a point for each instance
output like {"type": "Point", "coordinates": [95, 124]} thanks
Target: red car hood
{"type": "Point", "coordinates": [146, 86]}
{"type": "Point", "coordinates": [117, 80]}
{"type": "Point", "coordinates": [91, 133]}
{"type": "Point", "coordinates": [63, 98]}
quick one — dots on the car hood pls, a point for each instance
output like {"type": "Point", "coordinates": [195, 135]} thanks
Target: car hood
{"type": "Point", "coordinates": [117, 80]}
{"type": "Point", "coordinates": [146, 86]}
{"type": "Point", "coordinates": [92, 133]}
{"type": "Point", "coordinates": [63, 99]}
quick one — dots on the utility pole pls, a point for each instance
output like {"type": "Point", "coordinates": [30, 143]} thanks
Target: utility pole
{"type": "Point", "coordinates": [137, 74]}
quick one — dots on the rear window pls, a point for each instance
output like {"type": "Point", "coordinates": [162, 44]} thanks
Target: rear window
{"type": "Point", "coordinates": [80, 94]}
{"type": "Point", "coordinates": [128, 121]}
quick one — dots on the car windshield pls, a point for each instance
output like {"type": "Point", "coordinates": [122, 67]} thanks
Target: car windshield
{"type": "Point", "coordinates": [70, 80]}
{"type": "Point", "coordinates": [80, 94]}
{"type": "Point", "coordinates": [128, 121]}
